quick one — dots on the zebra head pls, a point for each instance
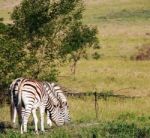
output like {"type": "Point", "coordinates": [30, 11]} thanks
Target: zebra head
{"type": "Point", "coordinates": [65, 112]}
{"type": "Point", "coordinates": [60, 100]}
{"type": "Point", "coordinates": [59, 94]}
{"type": "Point", "coordinates": [54, 109]}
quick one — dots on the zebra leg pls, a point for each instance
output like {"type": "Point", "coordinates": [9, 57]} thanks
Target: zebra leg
{"type": "Point", "coordinates": [49, 122]}
{"type": "Point", "coordinates": [35, 120]}
{"type": "Point", "coordinates": [42, 111]}
{"type": "Point", "coordinates": [14, 115]}
{"type": "Point", "coordinates": [26, 117]}
{"type": "Point", "coordinates": [20, 118]}
{"type": "Point", "coordinates": [22, 112]}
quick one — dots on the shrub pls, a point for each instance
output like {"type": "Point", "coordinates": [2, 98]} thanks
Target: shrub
{"type": "Point", "coordinates": [143, 53]}
{"type": "Point", "coordinates": [96, 55]}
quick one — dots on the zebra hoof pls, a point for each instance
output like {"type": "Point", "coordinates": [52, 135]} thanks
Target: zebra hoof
{"type": "Point", "coordinates": [49, 124]}
{"type": "Point", "coordinates": [36, 132]}
{"type": "Point", "coordinates": [14, 125]}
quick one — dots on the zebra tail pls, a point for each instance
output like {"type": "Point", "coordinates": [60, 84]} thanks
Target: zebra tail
{"type": "Point", "coordinates": [19, 106]}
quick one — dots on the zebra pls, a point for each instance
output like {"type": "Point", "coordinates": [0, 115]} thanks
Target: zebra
{"type": "Point", "coordinates": [58, 92]}
{"type": "Point", "coordinates": [31, 95]}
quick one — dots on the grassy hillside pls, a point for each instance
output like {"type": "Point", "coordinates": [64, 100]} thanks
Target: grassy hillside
{"type": "Point", "coordinates": [124, 25]}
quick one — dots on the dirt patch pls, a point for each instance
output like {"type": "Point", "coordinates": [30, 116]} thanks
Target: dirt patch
{"type": "Point", "coordinates": [143, 53]}
{"type": "Point", "coordinates": [8, 4]}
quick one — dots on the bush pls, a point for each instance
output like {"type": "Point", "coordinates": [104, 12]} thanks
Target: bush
{"type": "Point", "coordinates": [143, 53]}
{"type": "Point", "coordinates": [96, 55]}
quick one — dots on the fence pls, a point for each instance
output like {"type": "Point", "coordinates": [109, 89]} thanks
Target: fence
{"type": "Point", "coordinates": [95, 96]}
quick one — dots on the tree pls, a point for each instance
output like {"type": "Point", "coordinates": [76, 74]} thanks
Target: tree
{"type": "Point", "coordinates": [10, 57]}
{"type": "Point", "coordinates": [77, 41]}
{"type": "Point", "coordinates": [50, 32]}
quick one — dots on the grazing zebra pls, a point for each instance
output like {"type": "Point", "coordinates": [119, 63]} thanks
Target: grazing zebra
{"type": "Point", "coordinates": [27, 97]}
{"type": "Point", "coordinates": [57, 91]}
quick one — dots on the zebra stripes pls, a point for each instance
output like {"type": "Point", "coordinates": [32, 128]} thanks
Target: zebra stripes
{"type": "Point", "coordinates": [57, 91]}
{"type": "Point", "coordinates": [28, 95]}
{"type": "Point", "coordinates": [14, 92]}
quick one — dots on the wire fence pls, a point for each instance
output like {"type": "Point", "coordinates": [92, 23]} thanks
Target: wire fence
{"type": "Point", "coordinates": [4, 96]}
{"type": "Point", "coordinates": [78, 100]}
{"type": "Point", "coordinates": [95, 98]}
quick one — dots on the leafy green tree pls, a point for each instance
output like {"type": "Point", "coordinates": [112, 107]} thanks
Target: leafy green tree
{"type": "Point", "coordinates": [77, 41]}
{"type": "Point", "coordinates": [50, 32]}
{"type": "Point", "coordinates": [10, 57]}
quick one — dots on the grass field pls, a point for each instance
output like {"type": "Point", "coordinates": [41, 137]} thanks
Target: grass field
{"type": "Point", "coordinates": [117, 118]}
{"type": "Point", "coordinates": [124, 25]}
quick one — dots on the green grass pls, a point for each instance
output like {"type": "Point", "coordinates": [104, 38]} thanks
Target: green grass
{"type": "Point", "coordinates": [116, 118]}
{"type": "Point", "coordinates": [116, 128]}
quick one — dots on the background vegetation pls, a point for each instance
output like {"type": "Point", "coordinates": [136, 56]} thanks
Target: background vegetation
{"type": "Point", "coordinates": [123, 29]}
{"type": "Point", "coordinates": [45, 34]}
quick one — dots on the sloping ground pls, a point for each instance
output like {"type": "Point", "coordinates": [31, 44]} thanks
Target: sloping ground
{"type": "Point", "coordinates": [123, 27]}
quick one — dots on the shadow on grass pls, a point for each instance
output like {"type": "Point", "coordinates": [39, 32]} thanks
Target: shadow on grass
{"type": "Point", "coordinates": [5, 125]}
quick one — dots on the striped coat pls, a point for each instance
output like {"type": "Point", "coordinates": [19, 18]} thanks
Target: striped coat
{"type": "Point", "coordinates": [58, 92]}
{"type": "Point", "coordinates": [29, 95]}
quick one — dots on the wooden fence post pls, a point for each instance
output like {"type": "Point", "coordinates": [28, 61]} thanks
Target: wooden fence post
{"type": "Point", "coordinates": [96, 105]}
